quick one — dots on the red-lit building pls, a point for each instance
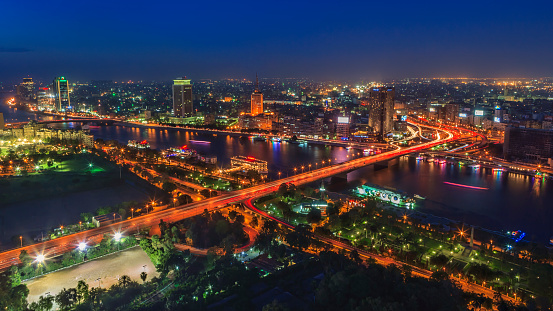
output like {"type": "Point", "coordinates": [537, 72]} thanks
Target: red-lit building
{"type": "Point", "coordinates": [257, 99]}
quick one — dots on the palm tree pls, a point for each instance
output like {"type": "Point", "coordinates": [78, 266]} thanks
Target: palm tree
{"type": "Point", "coordinates": [124, 281]}
{"type": "Point", "coordinates": [143, 276]}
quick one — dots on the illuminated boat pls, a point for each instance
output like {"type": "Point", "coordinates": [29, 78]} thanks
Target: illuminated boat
{"type": "Point", "coordinates": [200, 142]}
{"type": "Point", "coordinates": [385, 194]}
{"type": "Point", "coordinates": [138, 144]}
{"type": "Point", "coordinates": [259, 138]}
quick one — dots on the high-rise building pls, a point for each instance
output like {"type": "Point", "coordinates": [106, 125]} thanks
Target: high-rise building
{"type": "Point", "coordinates": [257, 99]}
{"type": "Point", "coordinates": [60, 88]}
{"type": "Point", "coordinates": [44, 98]}
{"type": "Point", "coordinates": [182, 98]}
{"type": "Point", "coordinates": [1, 121]}
{"type": "Point", "coordinates": [526, 144]}
{"type": "Point", "coordinates": [381, 110]}
{"type": "Point", "coordinates": [26, 89]}
{"type": "Point", "coordinates": [452, 112]}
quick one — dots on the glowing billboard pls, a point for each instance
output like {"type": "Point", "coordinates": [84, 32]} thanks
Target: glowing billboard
{"type": "Point", "coordinates": [478, 112]}
{"type": "Point", "coordinates": [496, 120]}
{"type": "Point", "coordinates": [462, 115]}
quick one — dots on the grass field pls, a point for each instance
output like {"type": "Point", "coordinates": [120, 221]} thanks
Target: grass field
{"type": "Point", "coordinates": [70, 174]}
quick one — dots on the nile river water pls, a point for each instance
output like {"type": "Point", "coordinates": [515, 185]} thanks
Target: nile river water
{"type": "Point", "coordinates": [510, 202]}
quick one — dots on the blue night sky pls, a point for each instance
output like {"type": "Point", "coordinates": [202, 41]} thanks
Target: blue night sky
{"type": "Point", "coordinates": [352, 40]}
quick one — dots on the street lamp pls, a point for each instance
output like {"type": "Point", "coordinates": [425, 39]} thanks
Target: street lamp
{"type": "Point", "coordinates": [21, 240]}
{"type": "Point", "coordinates": [82, 246]}
{"type": "Point", "coordinates": [132, 212]}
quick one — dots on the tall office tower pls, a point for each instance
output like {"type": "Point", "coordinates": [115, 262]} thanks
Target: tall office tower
{"type": "Point", "coordinates": [44, 98]}
{"type": "Point", "coordinates": [60, 88]}
{"type": "Point", "coordinates": [182, 98]}
{"type": "Point", "coordinates": [26, 89]}
{"type": "Point", "coordinates": [381, 110]}
{"type": "Point", "coordinates": [1, 121]}
{"type": "Point", "coordinates": [257, 99]}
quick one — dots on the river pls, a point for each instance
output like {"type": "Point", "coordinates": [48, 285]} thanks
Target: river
{"type": "Point", "coordinates": [510, 202]}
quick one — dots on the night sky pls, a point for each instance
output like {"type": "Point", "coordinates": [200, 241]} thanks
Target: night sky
{"type": "Point", "coordinates": [350, 40]}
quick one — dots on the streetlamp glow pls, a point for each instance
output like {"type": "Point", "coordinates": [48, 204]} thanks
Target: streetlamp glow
{"type": "Point", "coordinates": [82, 246]}
{"type": "Point", "coordinates": [117, 236]}
{"type": "Point", "coordinates": [40, 258]}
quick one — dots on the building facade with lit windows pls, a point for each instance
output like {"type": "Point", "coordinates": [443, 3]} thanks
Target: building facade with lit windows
{"type": "Point", "coordinates": [381, 110]}
{"type": "Point", "coordinates": [256, 100]}
{"type": "Point", "coordinates": [182, 98]}
{"type": "Point", "coordinates": [249, 163]}
{"type": "Point", "coordinates": [529, 145]}
{"type": "Point", "coordinates": [60, 88]}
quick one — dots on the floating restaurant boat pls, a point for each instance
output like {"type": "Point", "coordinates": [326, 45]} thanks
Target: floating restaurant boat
{"type": "Point", "coordinates": [138, 144]}
{"type": "Point", "coordinates": [391, 195]}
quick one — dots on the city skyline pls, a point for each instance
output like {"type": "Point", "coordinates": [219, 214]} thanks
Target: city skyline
{"type": "Point", "coordinates": [137, 42]}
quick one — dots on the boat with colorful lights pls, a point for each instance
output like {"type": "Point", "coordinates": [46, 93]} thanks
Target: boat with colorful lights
{"type": "Point", "coordinates": [386, 194]}
{"type": "Point", "coordinates": [138, 144]}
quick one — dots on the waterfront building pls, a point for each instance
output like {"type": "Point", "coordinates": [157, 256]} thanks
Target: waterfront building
{"type": "Point", "coordinates": [529, 145]}
{"type": "Point", "coordinates": [262, 121]}
{"type": "Point", "coordinates": [342, 127]}
{"type": "Point", "coordinates": [26, 89]}
{"type": "Point", "coordinates": [182, 98]}
{"type": "Point", "coordinates": [249, 163]}
{"type": "Point", "coordinates": [256, 99]}
{"type": "Point", "coordinates": [60, 87]}
{"type": "Point", "coordinates": [381, 110]}
{"type": "Point", "coordinates": [44, 98]}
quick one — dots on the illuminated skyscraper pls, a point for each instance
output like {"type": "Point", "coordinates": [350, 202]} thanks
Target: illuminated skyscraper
{"type": "Point", "coordinates": [182, 98]}
{"type": "Point", "coordinates": [60, 88]}
{"type": "Point", "coordinates": [26, 90]}
{"type": "Point", "coordinates": [381, 110]}
{"type": "Point", "coordinates": [1, 121]}
{"type": "Point", "coordinates": [257, 99]}
{"type": "Point", "coordinates": [44, 98]}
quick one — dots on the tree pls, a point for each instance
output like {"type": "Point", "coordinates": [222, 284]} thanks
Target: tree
{"type": "Point", "coordinates": [254, 222]}
{"type": "Point", "coordinates": [82, 291]}
{"type": "Point", "coordinates": [232, 215]}
{"type": "Point", "coordinates": [240, 219]}
{"type": "Point", "coordinates": [143, 276]}
{"type": "Point", "coordinates": [12, 297]}
{"type": "Point", "coordinates": [44, 303]}
{"type": "Point", "coordinates": [124, 281]}
{"type": "Point", "coordinates": [314, 215]}
{"type": "Point", "coordinates": [168, 186]}
{"type": "Point", "coordinates": [66, 298]}
{"type": "Point", "coordinates": [282, 189]}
